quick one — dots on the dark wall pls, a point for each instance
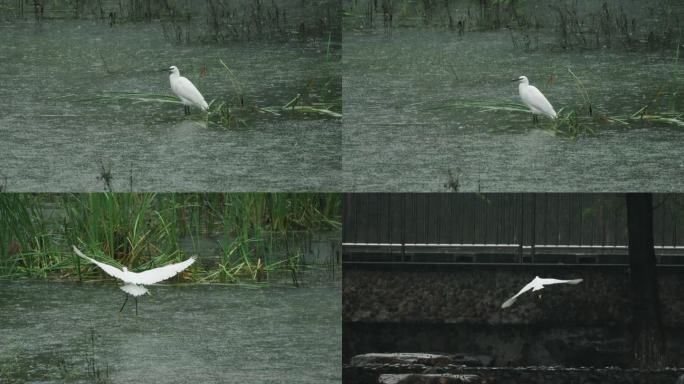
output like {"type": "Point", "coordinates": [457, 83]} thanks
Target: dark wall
{"type": "Point", "coordinates": [457, 309]}
{"type": "Point", "coordinates": [496, 218]}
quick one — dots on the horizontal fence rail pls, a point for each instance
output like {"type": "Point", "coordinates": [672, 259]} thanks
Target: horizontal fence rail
{"type": "Point", "coordinates": [507, 228]}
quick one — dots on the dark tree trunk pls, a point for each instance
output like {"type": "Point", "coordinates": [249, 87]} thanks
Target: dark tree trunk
{"type": "Point", "coordinates": [647, 330]}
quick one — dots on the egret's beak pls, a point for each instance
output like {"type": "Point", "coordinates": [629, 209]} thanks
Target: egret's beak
{"type": "Point", "coordinates": [165, 70]}
{"type": "Point", "coordinates": [516, 79]}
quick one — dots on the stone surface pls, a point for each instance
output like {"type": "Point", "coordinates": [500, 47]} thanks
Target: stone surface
{"type": "Point", "coordinates": [471, 360]}
{"type": "Point", "coordinates": [529, 375]}
{"type": "Point", "coordinates": [427, 359]}
{"type": "Point", "coordinates": [428, 379]}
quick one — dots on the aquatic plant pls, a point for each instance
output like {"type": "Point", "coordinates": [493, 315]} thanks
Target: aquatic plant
{"type": "Point", "coordinates": [96, 373]}
{"type": "Point", "coordinates": [607, 27]}
{"type": "Point", "coordinates": [258, 234]}
{"type": "Point", "coordinates": [292, 107]}
{"type": "Point", "coordinates": [188, 20]}
{"type": "Point", "coordinates": [237, 86]}
{"type": "Point", "coordinates": [454, 15]}
{"type": "Point", "coordinates": [572, 25]}
{"type": "Point", "coordinates": [17, 229]}
{"type": "Point", "coordinates": [453, 184]}
{"type": "Point", "coordinates": [134, 97]}
{"type": "Point", "coordinates": [221, 112]}
{"type": "Point", "coordinates": [106, 175]}
{"type": "Point", "coordinates": [229, 112]}
{"type": "Point", "coordinates": [573, 124]}
{"type": "Point", "coordinates": [569, 122]}
{"type": "Point", "coordinates": [583, 92]}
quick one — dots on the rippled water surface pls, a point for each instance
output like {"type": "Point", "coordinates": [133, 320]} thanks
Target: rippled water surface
{"type": "Point", "coordinates": [68, 332]}
{"type": "Point", "coordinates": [398, 136]}
{"type": "Point", "coordinates": [55, 137]}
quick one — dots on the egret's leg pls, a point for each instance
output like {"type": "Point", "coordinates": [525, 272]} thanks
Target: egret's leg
{"type": "Point", "coordinates": [186, 109]}
{"type": "Point", "coordinates": [535, 119]}
{"type": "Point", "coordinates": [136, 306]}
{"type": "Point", "coordinates": [124, 304]}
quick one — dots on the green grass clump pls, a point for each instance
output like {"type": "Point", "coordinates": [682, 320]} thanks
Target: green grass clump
{"type": "Point", "coordinates": [225, 111]}
{"type": "Point", "coordinates": [581, 120]}
{"type": "Point", "coordinates": [134, 97]}
{"type": "Point", "coordinates": [258, 234]}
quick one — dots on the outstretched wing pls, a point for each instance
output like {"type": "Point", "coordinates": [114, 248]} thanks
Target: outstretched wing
{"type": "Point", "coordinates": [110, 270]}
{"type": "Point", "coordinates": [512, 300]}
{"type": "Point", "coordinates": [557, 281]}
{"type": "Point", "coordinates": [156, 275]}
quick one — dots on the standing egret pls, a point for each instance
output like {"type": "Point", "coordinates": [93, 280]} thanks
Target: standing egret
{"type": "Point", "coordinates": [536, 285]}
{"type": "Point", "coordinates": [135, 281]}
{"type": "Point", "coordinates": [186, 91]}
{"type": "Point", "coordinates": [534, 99]}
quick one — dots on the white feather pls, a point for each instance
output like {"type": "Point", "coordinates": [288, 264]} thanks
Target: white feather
{"type": "Point", "coordinates": [156, 275]}
{"type": "Point", "coordinates": [148, 277]}
{"type": "Point", "coordinates": [134, 290]}
{"type": "Point", "coordinates": [110, 270]}
{"type": "Point", "coordinates": [186, 90]}
{"type": "Point", "coordinates": [534, 99]}
{"type": "Point", "coordinates": [535, 285]}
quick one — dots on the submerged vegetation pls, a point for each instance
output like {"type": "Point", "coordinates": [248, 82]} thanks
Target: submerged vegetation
{"type": "Point", "coordinates": [569, 121]}
{"type": "Point", "coordinates": [576, 25]}
{"type": "Point", "coordinates": [224, 113]}
{"type": "Point", "coordinates": [234, 110]}
{"type": "Point", "coordinates": [238, 237]}
{"type": "Point", "coordinates": [582, 119]}
{"type": "Point", "coordinates": [192, 21]}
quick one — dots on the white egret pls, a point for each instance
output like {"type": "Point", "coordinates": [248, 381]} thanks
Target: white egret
{"type": "Point", "coordinates": [534, 99]}
{"type": "Point", "coordinates": [186, 91]}
{"type": "Point", "coordinates": [135, 281]}
{"type": "Point", "coordinates": [535, 285]}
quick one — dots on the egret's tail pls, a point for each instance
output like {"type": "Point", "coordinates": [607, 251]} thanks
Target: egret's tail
{"type": "Point", "coordinates": [134, 290]}
{"type": "Point", "coordinates": [576, 281]}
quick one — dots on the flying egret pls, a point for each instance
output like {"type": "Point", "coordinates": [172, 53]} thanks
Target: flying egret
{"type": "Point", "coordinates": [186, 91]}
{"type": "Point", "coordinates": [535, 285]}
{"type": "Point", "coordinates": [534, 99]}
{"type": "Point", "coordinates": [135, 281]}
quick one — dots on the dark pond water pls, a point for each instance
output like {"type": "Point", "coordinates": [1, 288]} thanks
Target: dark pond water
{"type": "Point", "coordinates": [56, 138]}
{"type": "Point", "coordinates": [69, 332]}
{"type": "Point", "coordinates": [396, 138]}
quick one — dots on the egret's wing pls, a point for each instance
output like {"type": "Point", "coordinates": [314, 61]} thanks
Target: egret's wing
{"type": "Point", "coordinates": [535, 99]}
{"type": "Point", "coordinates": [156, 275]}
{"type": "Point", "coordinates": [557, 281]}
{"type": "Point", "coordinates": [186, 89]}
{"type": "Point", "coordinates": [512, 300]}
{"type": "Point", "coordinates": [110, 270]}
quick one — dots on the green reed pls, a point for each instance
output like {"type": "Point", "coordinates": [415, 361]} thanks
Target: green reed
{"type": "Point", "coordinates": [258, 234]}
